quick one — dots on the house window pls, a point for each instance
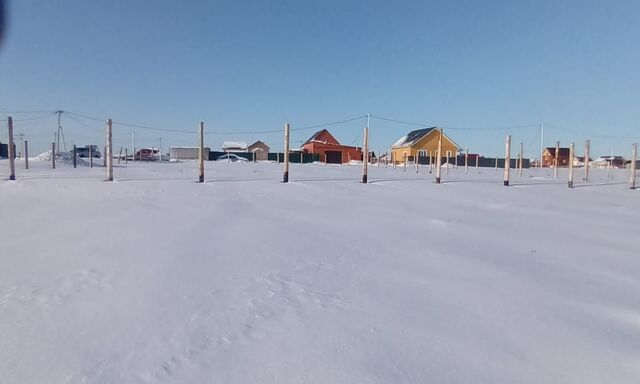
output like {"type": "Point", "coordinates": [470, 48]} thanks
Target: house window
{"type": "Point", "coordinates": [422, 153]}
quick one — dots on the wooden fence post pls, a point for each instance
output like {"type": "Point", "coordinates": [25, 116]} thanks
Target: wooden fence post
{"type": "Point", "coordinates": [446, 167]}
{"type": "Point", "coordinates": [439, 159]}
{"type": "Point", "coordinates": [507, 160]}
{"type": "Point", "coordinates": [417, 160]}
{"type": "Point", "coordinates": [201, 154]}
{"type": "Point", "coordinates": [634, 156]}
{"type": "Point", "coordinates": [571, 165]}
{"type": "Point", "coordinates": [285, 178]}
{"type": "Point", "coordinates": [555, 161]}
{"type": "Point", "coordinates": [521, 158]}
{"type": "Point", "coordinates": [466, 161]}
{"type": "Point", "coordinates": [75, 160]}
{"type": "Point", "coordinates": [587, 145]}
{"type": "Point", "coordinates": [477, 161]}
{"type": "Point", "coordinates": [12, 150]}
{"type": "Point", "coordinates": [126, 155]}
{"type": "Point", "coordinates": [120, 156]}
{"type": "Point", "coordinates": [53, 155]}
{"type": "Point", "coordinates": [109, 150]}
{"type": "Point", "coordinates": [26, 154]}
{"type": "Point", "coordinates": [91, 156]}
{"type": "Point", "coordinates": [104, 157]}
{"type": "Point", "coordinates": [496, 167]}
{"type": "Point", "coordinates": [365, 155]}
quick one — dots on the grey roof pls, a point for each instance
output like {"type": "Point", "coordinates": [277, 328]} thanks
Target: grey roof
{"type": "Point", "coordinates": [412, 137]}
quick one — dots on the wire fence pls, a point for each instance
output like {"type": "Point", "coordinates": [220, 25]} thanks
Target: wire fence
{"type": "Point", "coordinates": [57, 132]}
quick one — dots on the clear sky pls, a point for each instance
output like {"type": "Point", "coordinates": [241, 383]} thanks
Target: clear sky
{"type": "Point", "coordinates": [254, 65]}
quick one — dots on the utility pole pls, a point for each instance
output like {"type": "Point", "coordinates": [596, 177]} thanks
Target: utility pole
{"type": "Point", "coordinates": [60, 133]}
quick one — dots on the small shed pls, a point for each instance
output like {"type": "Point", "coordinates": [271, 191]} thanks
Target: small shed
{"type": "Point", "coordinates": [259, 150]}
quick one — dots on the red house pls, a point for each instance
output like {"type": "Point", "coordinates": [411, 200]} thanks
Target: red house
{"type": "Point", "coordinates": [330, 150]}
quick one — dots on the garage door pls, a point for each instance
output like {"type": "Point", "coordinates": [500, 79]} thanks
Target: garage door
{"type": "Point", "coordinates": [334, 157]}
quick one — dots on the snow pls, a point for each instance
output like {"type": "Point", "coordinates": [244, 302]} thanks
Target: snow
{"type": "Point", "coordinates": [244, 279]}
{"type": "Point", "coordinates": [231, 145]}
{"type": "Point", "coordinates": [400, 141]}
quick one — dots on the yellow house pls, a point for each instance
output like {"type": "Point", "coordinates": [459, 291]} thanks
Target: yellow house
{"type": "Point", "coordinates": [424, 143]}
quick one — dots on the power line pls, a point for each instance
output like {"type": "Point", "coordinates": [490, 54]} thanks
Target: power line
{"type": "Point", "coordinates": [329, 124]}
{"type": "Point", "coordinates": [401, 121]}
{"type": "Point", "coordinates": [80, 122]}
{"type": "Point", "coordinates": [49, 114]}
{"type": "Point", "coordinates": [332, 123]}
{"type": "Point", "coordinates": [25, 112]}
{"type": "Point", "coordinates": [304, 128]}
{"type": "Point", "coordinates": [455, 128]}
{"type": "Point", "coordinates": [36, 117]}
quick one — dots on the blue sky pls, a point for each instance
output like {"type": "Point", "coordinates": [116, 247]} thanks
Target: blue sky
{"type": "Point", "coordinates": [253, 65]}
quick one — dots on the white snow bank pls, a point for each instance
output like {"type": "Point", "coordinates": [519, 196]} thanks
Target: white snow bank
{"type": "Point", "coordinates": [244, 279]}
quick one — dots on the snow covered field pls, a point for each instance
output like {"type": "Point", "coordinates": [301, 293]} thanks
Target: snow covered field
{"type": "Point", "coordinates": [243, 279]}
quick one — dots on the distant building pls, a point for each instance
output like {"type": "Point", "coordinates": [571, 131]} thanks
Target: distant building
{"type": "Point", "coordinates": [187, 153]}
{"type": "Point", "coordinates": [147, 154]}
{"type": "Point", "coordinates": [88, 150]}
{"type": "Point", "coordinates": [628, 163]}
{"type": "Point", "coordinates": [260, 150]}
{"type": "Point", "coordinates": [422, 143]}
{"type": "Point", "coordinates": [234, 147]}
{"type": "Point", "coordinates": [578, 161]}
{"type": "Point", "coordinates": [328, 148]}
{"type": "Point", "coordinates": [549, 155]}
{"type": "Point", "coordinates": [609, 161]}
{"type": "Point", "coordinates": [4, 150]}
